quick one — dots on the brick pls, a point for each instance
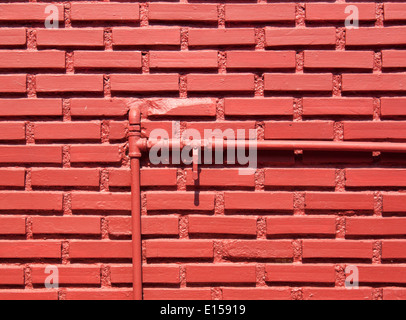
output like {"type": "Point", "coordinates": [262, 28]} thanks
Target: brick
{"type": "Point", "coordinates": [339, 59]}
{"type": "Point", "coordinates": [65, 177]}
{"type": "Point", "coordinates": [301, 226]}
{"type": "Point", "coordinates": [74, 274]}
{"type": "Point", "coordinates": [223, 225]}
{"type": "Point", "coordinates": [280, 37]}
{"type": "Point", "coordinates": [10, 200]}
{"type": "Point", "coordinates": [27, 12]}
{"type": "Point", "coordinates": [12, 225]}
{"type": "Point", "coordinates": [375, 177]}
{"type": "Point", "coordinates": [118, 130]}
{"type": "Point", "coordinates": [144, 82]}
{"type": "Point", "coordinates": [376, 36]}
{"type": "Point", "coordinates": [320, 130]}
{"type": "Point", "coordinates": [183, 59]}
{"type": "Point", "coordinates": [261, 59]}
{"type": "Point", "coordinates": [256, 293]}
{"type": "Point", "coordinates": [30, 154]}
{"type": "Point", "coordinates": [105, 12]}
{"type": "Point", "coordinates": [365, 226]}
{"type": "Point", "coordinates": [95, 153]}
{"type": "Point", "coordinates": [374, 82]}
{"type": "Point", "coordinates": [282, 273]}
{"type": "Point", "coordinates": [154, 274]}
{"type": "Point", "coordinates": [258, 249]}
{"type": "Point", "coordinates": [28, 294]}
{"type": "Point", "coordinates": [230, 274]}
{"type": "Point", "coordinates": [300, 177]}
{"type": "Point", "coordinates": [13, 83]}
{"type": "Point", "coordinates": [221, 37]}
{"type": "Point", "coordinates": [260, 107]}
{"type": "Point", "coordinates": [12, 131]}
{"type": "Point", "coordinates": [47, 59]}
{"type": "Point", "coordinates": [11, 275]}
{"type": "Point", "coordinates": [107, 59]}
{"type": "Point", "coordinates": [229, 178]}
{"type": "Point", "coordinates": [182, 12]}
{"type": "Point", "coordinates": [220, 82]}
{"type": "Point", "coordinates": [217, 130]}
{"type": "Point", "coordinates": [179, 249]}
{"type": "Point", "coordinates": [387, 130]}
{"type": "Point", "coordinates": [338, 106]}
{"type": "Point", "coordinates": [393, 58]}
{"type": "Point", "coordinates": [12, 37]}
{"type": "Point", "coordinates": [70, 37]}
{"type": "Point", "coordinates": [69, 83]}
{"type": "Point", "coordinates": [394, 294]}
{"type": "Point", "coordinates": [260, 12]}
{"type": "Point", "coordinates": [180, 201]}
{"type": "Point", "coordinates": [298, 82]}
{"type": "Point", "coordinates": [394, 11]}
{"type": "Point", "coordinates": [89, 249]}
{"type": "Point", "coordinates": [30, 107]}
{"type": "Point", "coordinates": [177, 294]}
{"type": "Point", "coordinates": [394, 202]}
{"type": "Point", "coordinates": [382, 274]}
{"type": "Point", "coordinates": [12, 177]}
{"type": "Point", "coordinates": [258, 201]}
{"type": "Point", "coordinates": [168, 226]}
{"type": "Point", "coordinates": [67, 131]}
{"type": "Point", "coordinates": [30, 249]}
{"type": "Point", "coordinates": [99, 294]}
{"type": "Point", "coordinates": [393, 107]}
{"type": "Point", "coordinates": [149, 177]}
{"type": "Point", "coordinates": [190, 107]}
{"type": "Point", "coordinates": [146, 36]}
{"type": "Point", "coordinates": [99, 107]}
{"type": "Point", "coordinates": [66, 225]}
{"type": "Point", "coordinates": [337, 249]}
{"type": "Point", "coordinates": [393, 249]}
{"type": "Point", "coordinates": [336, 11]}
{"type": "Point", "coordinates": [339, 201]}
{"type": "Point", "coordinates": [101, 201]}
{"type": "Point", "coordinates": [337, 294]}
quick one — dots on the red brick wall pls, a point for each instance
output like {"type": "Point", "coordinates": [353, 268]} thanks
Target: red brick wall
{"type": "Point", "coordinates": [290, 70]}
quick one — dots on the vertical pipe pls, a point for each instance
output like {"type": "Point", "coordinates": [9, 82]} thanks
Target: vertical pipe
{"type": "Point", "coordinates": [135, 155]}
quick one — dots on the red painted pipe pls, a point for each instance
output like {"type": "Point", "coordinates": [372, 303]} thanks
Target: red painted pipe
{"type": "Point", "coordinates": [135, 155]}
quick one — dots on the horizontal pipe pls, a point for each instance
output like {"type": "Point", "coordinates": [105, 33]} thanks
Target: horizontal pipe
{"type": "Point", "coordinates": [396, 147]}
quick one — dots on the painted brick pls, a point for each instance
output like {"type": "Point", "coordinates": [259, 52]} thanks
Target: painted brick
{"type": "Point", "coordinates": [394, 294]}
{"type": "Point", "coordinates": [337, 106]}
{"type": "Point", "coordinates": [70, 37]}
{"type": "Point", "coordinates": [146, 36]}
{"type": "Point", "coordinates": [376, 36]}
{"type": "Point", "coordinates": [388, 130]}
{"type": "Point", "coordinates": [229, 178]}
{"type": "Point", "coordinates": [393, 249]}
{"type": "Point", "coordinates": [258, 201]}
{"type": "Point", "coordinates": [77, 274]}
{"type": "Point", "coordinates": [256, 293]}
{"type": "Point", "coordinates": [152, 274]}
{"type": "Point", "coordinates": [27, 12]}
{"type": "Point", "coordinates": [318, 130]}
{"type": "Point", "coordinates": [223, 225]}
{"type": "Point", "coordinates": [393, 107]}
{"type": "Point", "coordinates": [339, 59]}
{"type": "Point", "coordinates": [28, 294]}
{"type": "Point", "coordinates": [220, 274]}
{"type": "Point", "coordinates": [12, 131]}
{"type": "Point", "coordinates": [13, 83]}
{"type": "Point", "coordinates": [12, 37]}
{"type": "Point", "coordinates": [144, 82]}
{"type": "Point", "coordinates": [374, 82]}
{"type": "Point", "coordinates": [300, 177]}
{"type": "Point", "coordinates": [258, 249]}
{"type": "Point", "coordinates": [95, 153]}
{"type": "Point", "coordinates": [65, 177]}
{"type": "Point", "coordinates": [260, 107]}
{"type": "Point", "coordinates": [149, 177]}
{"type": "Point", "coordinates": [301, 226]}
{"type": "Point", "coordinates": [180, 201]}
{"type": "Point", "coordinates": [282, 273]}
{"type": "Point", "coordinates": [66, 225]}
{"type": "Point", "coordinates": [177, 294]}
{"type": "Point", "coordinates": [394, 11]}
{"type": "Point", "coordinates": [191, 107]}
{"type": "Point", "coordinates": [222, 37]}
{"type": "Point", "coordinates": [375, 177]}
{"type": "Point", "coordinates": [30, 154]}
{"type": "Point", "coordinates": [261, 59]}
{"type": "Point", "coordinates": [260, 12]}
{"type": "Point", "coordinates": [179, 249]}
{"type": "Point", "coordinates": [393, 202]}
{"type": "Point", "coordinates": [10, 200]}
{"type": "Point", "coordinates": [281, 37]}
{"type": "Point", "coordinates": [67, 131]}
{"type": "Point", "coordinates": [105, 11]}
{"type": "Point", "coordinates": [393, 58]}
{"type": "Point", "coordinates": [11, 275]}
{"type": "Point", "coordinates": [298, 82]}
{"type": "Point", "coordinates": [182, 12]}
{"type": "Point", "coordinates": [185, 59]}
{"type": "Point", "coordinates": [47, 59]}
{"type": "Point", "coordinates": [30, 107]}
{"type": "Point", "coordinates": [375, 226]}
{"type": "Point", "coordinates": [339, 201]}
{"type": "Point", "coordinates": [336, 294]}
{"type": "Point", "coordinates": [337, 249]}
{"type": "Point", "coordinates": [336, 11]}
{"type": "Point", "coordinates": [89, 249]}
{"type": "Point", "coordinates": [24, 249]}
{"type": "Point", "coordinates": [99, 294]}
{"type": "Point", "coordinates": [12, 225]}
{"type": "Point", "coordinates": [69, 83]}
{"type": "Point", "coordinates": [159, 225]}
{"type": "Point", "coordinates": [219, 82]}
{"type": "Point", "coordinates": [101, 201]}
{"type": "Point", "coordinates": [99, 107]}
{"type": "Point", "coordinates": [107, 60]}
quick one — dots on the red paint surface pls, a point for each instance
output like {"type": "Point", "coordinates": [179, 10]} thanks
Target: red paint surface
{"type": "Point", "coordinates": [289, 70]}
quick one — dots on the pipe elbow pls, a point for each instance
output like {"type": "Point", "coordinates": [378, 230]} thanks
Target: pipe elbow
{"type": "Point", "coordinates": [135, 116]}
